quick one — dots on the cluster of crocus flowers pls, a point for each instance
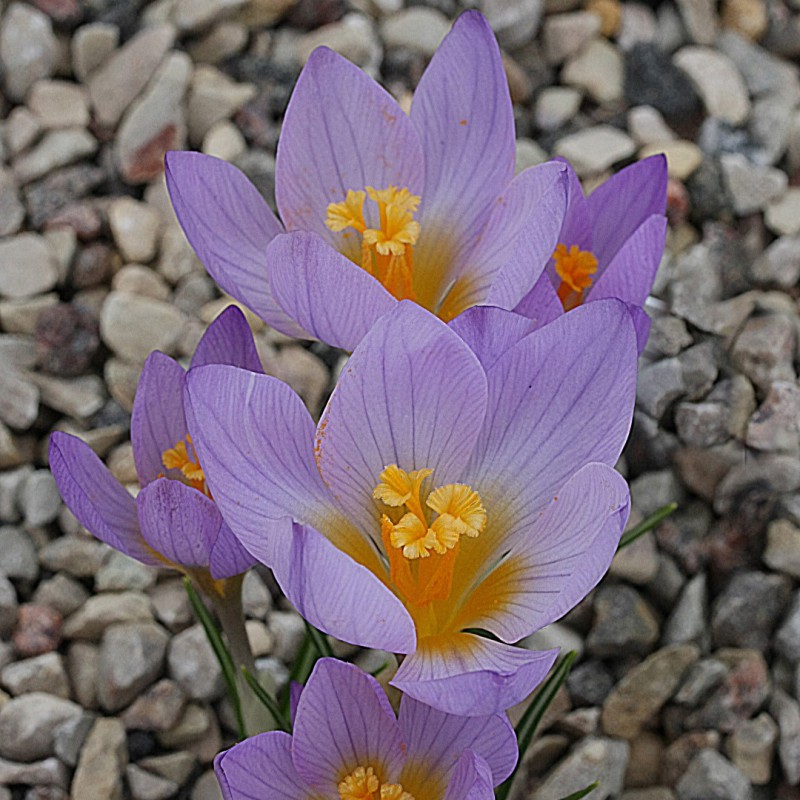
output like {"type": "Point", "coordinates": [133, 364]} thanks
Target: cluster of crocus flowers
{"type": "Point", "coordinates": [348, 744]}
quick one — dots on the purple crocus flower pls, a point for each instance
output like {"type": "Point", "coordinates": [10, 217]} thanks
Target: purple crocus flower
{"type": "Point", "coordinates": [610, 245]}
{"type": "Point", "coordinates": [459, 479]}
{"type": "Point", "coordinates": [379, 206]}
{"type": "Point", "coordinates": [174, 520]}
{"type": "Point", "coordinates": [349, 745]}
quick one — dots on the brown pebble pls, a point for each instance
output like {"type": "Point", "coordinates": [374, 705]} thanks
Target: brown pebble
{"type": "Point", "coordinates": [67, 337]}
{"type": "Point", "coordinates": [38, 630]}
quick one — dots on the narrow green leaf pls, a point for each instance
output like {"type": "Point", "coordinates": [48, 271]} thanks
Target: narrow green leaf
{"type": "Point", "coordinates": [220, 651]}
{"type": "Point", "coordinates": [319, 640]}
{"type": "Point", "coordinates": [582, 792]}
{"type": "Point", "coordinates": [646, 525]}
{"type": "Point", "coordinates": [530, 720]}
{"type": "Point", "coordinates": [266, 700]}
{"type": "Point", "coordinates": [381, 668]}
{"type": "Point", "coordinates": [301, 669]}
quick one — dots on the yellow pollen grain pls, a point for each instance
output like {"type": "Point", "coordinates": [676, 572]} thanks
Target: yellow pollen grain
{"type": "Point", "coordinates": [363, 784]}
{"type": "Point", "coordinates": [575, 267]}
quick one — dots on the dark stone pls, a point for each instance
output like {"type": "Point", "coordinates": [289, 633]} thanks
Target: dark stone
{"type": "Point", "coordinates": [65, 14]}
{"type": "Point", "coordinates": [589, 683]}
{"type": "Point", "coordinates": [651, 79]}
{"type": "Point", "coordinates": [624, 623]}
{"type": "Point", "coordinates": [67, 337]}
{"type": "Point", "coordinates": [92, 266]}
{"type": "Point", "coordinates": [708, 194]}
{"type": "Point", "coordinates": [141, 744]}
{"type": "Point", "coordinates": [312, 14]}
{"type": "Point", "coordinates": [60, 188]}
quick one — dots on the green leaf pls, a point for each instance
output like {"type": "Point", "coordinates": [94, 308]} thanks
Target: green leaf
{"type": "Point", "coordinates": [582, 792]}
{"type": "Point", "coordinates": [319, 640]}
{"type": "Point", "coordinates": [220, 651]}
{"type": "Point", "coordinates": [646, 525]}
{"type": "Point", "coordinates": [266, 700]}
{"type": "Point", "coordinates": [301, 669]}
{"type": "Point", "coordinates": [532, 717]}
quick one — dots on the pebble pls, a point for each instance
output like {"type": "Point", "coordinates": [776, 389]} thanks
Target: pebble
{"type": "Point", "coordinates": [779, 264]}
{"type": "Point", "coordinates": [659, 385]}
{"type": "Point", "coordinates": [83, 666]}
{"type": "Point", "coordinates": [44, 774]}
{"type": "Point", "coordinates": [595, 149]}
{"type": "Point", "coordinates": [711, 776]}
{"type": "Point", "coordinates": [135, 227]}
{"type": "Point", "coordinates": [648, 127]}
{"type": "Point", "coordinates": [131, 658]}
{"type": "Point", "coordinates": [12, 212]}
{"type": "Point", "coordinates": [555, 106]}
{"type": "Point", "coordinates": [59, 104]}
{"type": "Point", "coordinates": [91, 45]}
{"type": "Point", "coordinates": [39, 498]}
{"type": "Point", "coordinates": [566, 35]}
{"type": "Point", "coordinates": [158, 709]}
{"type": "Point", "coordinates": [191, 16]}
{"type": "Point", "coordinates": [597, 69]}
{"type": "Point", "coordinates": [623, 623]}
{"type": "Point", "coordinates": [289, 632]}
{"type": "Point", "coordinates": [103, 610]}
{"type": "Point", "coordinates": [102, 762]}
{"type": "Point", "coordinates": [28, 49]}
{"type": "Point", "coordinates": [146, 786]}
{"type": "Point", "coordinates": [700, 19]}
{"type": "Point", "coordinates": [44, 673]}
{"type": "Point", "coordinates": [133, 326]}
{"type": "Point", "coordinates": [783, 219]}
{"type": "Point", "coordinates": [121, 572]}
{"type": "Point", "coordinates": [717, 81]}
{"type": "Point", "coordinates": [78, 557]}
{"type": "Point", "coordinates": [637, 698]}
{"type": "Point", "coordinates": [38, 630]}
{"type": "Point", "coordinates": [688, 621]}
{"type": "Point", "coordinates": [58, 148]}
{"type": "Point", "coordinates": [27, 266]}
{"type": "Point", "coordinates": [213, 97]}
{"type": "Point", "coordinates": [782, 553]}
{"type": "Point", "coordinates": [123, 76]}
{"type": "Point", "coordinates": [699, 681]}
{"type": "Point", "coordinates": [776, 423]}
{"type": "Point", "coordinates": [223, 140]}
{"type": "Point", "coordinates": [786, 712]}
{"type": "Point", "coordinates": [751, 187]}
{"type": "Point", "coordinates": [351, 37]}
{"type": "Point", "coordinates": [20, 561]}
{"type": "Point", "coordinates": [752, 748]}
{"type": "Point", "coordinates": [27, 725]}
{"type": "Point", "coordinates": [193, 665]}
{"type": "Point", "coordinates": [8, 606]}
{"type": "Point", "coordinates": [683, 157]}
{"type": "Point", "coordinates": [417, 29]}
{"type": "Point", "coordinates": [764, 350]}
{"type": "Point", "coordinates": [69, 737]}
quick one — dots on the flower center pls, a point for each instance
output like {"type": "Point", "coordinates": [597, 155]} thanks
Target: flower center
{"type": "Point", "coordinates": [575, 267]}
{"type": "Point", "coordinates": [183, 457]}
{"type": "Point", "coordinates": [387, 252]}
{"type": "Point", "coordinates": [421, 551]}
{"type": "Point", "coordinates": [363, 784]}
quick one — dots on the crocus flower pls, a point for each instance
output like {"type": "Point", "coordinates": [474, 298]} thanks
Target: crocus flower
{"type": "Point", "coordinates": [173, 521]}
{"type": "Point", "coordinates": [379, 206]}
{"type": "Point", "coordinates": [349, 745]}
{"type": "Point", "coordinates": [459, 480]}
{"type": "Point", "coordinates": [610, 245]}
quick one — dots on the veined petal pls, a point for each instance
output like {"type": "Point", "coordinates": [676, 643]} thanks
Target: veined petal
{"type": "Point", "coordinates": [260, 767]}
{"type": "Point", "coordinates": [95, 497]}
{"type": "Point", "coordinates": [228, 340]}
{"type": "Point", "coordinates": [413, 394]}
{"type": "Point", "coordinates": [254, 438]}
{"type": "Point", "coordinates": [577, 227]}
{"type": "Point", "coordinates": [338, 595]}
{"type": "Point", "coordinates": [158, 421]}
{"type": "Point", "coordinates": [229, 225]}
{"type": "Point", "coordinates": [462, 111]}
{"type": "Point", "coordinates": [328, 295]}
{"type": "Point", "coordinates": [557, 555]}
{"type": "Point", "coordinates": [518, 240]}
{"type": "Point", "coordinates": [541, 304]}
{"type": "Point", "coordinates": [631, 273]}
{"type": "Point", "coordinates": [469, 675]}
{"type": "Point", "coordinates": [344, 721]}
{"type": "Point", "coordinates": [621, 204]}
{"type": "Point", "coordinates": [471, 780]}
{"type": "Point", "coordinates": [491, 331]}
{"type": "Point", "coordinates": [436, 740]}
{"type": "Point", "coordinates": [341, 132]}
{"type": "Point", "coordinates": [177, 521]}
{"type": "Point", "coordinates": [228, 557]}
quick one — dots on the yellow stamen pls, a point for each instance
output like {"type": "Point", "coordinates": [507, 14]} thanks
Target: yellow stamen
{"type": "Point", "coordinates": [411, 539]}
{"type": "Point", "coordinates": [179, 457]}
{"type": "Point", "coordinates": [363, 784]}
{"type": "Point", "coordinates": [386, 251]}
{"type": "Point", "coordinates": [575, 267]}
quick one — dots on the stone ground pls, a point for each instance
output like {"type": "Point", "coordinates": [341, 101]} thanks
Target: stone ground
{"type": "Point", "coordinates": [688, 682]}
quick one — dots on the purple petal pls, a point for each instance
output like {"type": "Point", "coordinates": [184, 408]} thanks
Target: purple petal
{"type": "Point", "coordinates": [260, 767]}
{"type": "Point", "coordinates": [472, 779]}
{"type": "Point", "coordinates": [491, 331]}
{"type": "Point", "coordinates": [541, 304]}
{"type": "Point", "coordinates": [462, 110]}
{"type": "Point", "coordinates": [338, 595]}
{"type": "Point", "coordinates": [158, 422]}
{"type": "Point", "coordinates": [557, 556]}
{"type": "Point", "coordinates": [577, 227]}
{"type": "Point", "coordinates": [344, 721]}
{"type": "Point", "coordinates": [228, 340]}
{"type": "Point", "coordinates": [254, 437]}
{"type": "Point", "coordinates": [341, 131]}
{"type": "Point", "coordinates": [413, 394]}
{"type": "Point", "coordinates": [229, 225]}
{"type": "Point", "coordinates": [559, 399]}
{"type": "Point", "coordinates": [295, 692]}
{"type": "Point", "coordinates": [521, 234]}
{"type": "Point", "coordinates": [631, 273]}
{"type": "Point", "coordinates": [177, 521]}
{"type": "Point", "coordinates": [641, 322]}
{"type": "Point", "coordinates": [471, 676]}
{"type": "Point", "coordinates": [620, 205]}
{"type": "Point", "coordinates": [228, 557]}
{"type": "Point", "coordinates": [438, 738]}
{"type": "Point", "coordinates": [332, 298]}
{"type": "Point", "coordinates": [95, 497]}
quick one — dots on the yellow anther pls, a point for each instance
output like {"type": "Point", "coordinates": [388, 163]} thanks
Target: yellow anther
{"type": "Point", "coordinates": [397, 486]}
{"type": "Point", "coordinates": [394, 791]}
{"type": "Point", "coordinates": [399, 198]}
{"type": "Point", "coordinates": [461, 503]}
{"type": "Point", "coordinates": [349, 214]}
{"type": "Point", "coordinates": [361, 784]}
{"type": "Point", "coordinates": [414, 536]}
{"type": "Point", "coordinates": [180, 457]}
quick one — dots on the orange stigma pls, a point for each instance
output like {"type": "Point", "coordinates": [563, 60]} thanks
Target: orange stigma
{"type": "Point", "coordinates": [184, 457]}
{"type": "Point", "coordinates": [575, 267]}
{"type": "Point", "coordinates": [387, 252]}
